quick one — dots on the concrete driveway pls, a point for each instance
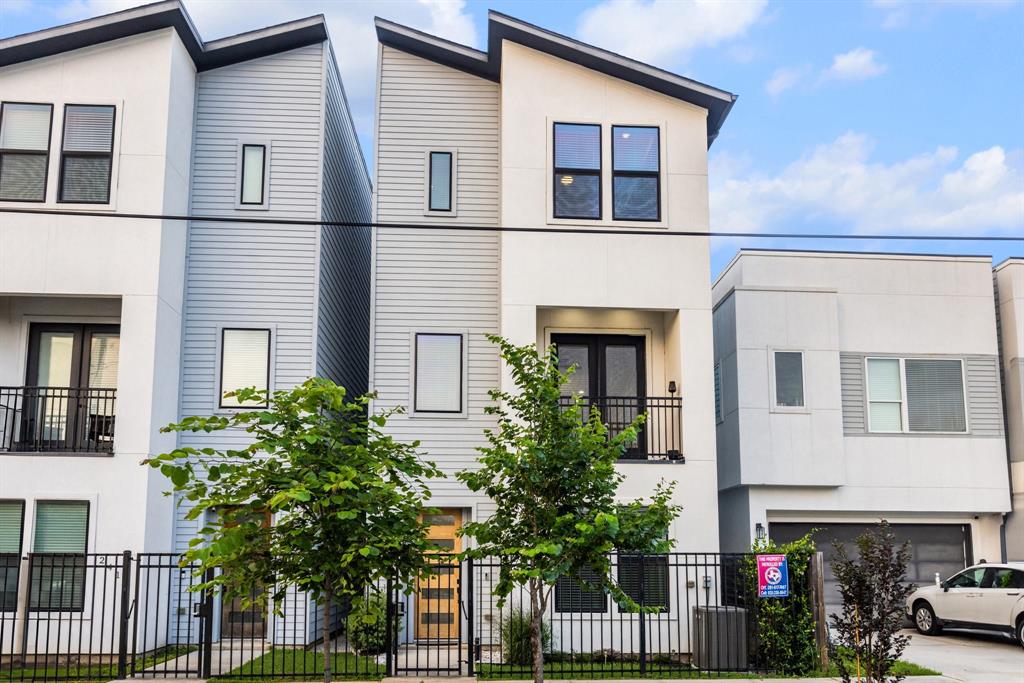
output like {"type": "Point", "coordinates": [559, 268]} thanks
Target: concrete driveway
{"type": "Point", "coordinates": [968, 656]}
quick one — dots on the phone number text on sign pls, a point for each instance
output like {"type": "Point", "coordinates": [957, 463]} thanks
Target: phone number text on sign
{"type": "Point", "coordinates": [772, 576]}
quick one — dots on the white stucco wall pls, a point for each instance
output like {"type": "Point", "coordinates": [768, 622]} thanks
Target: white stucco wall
{"type": "Point", "coordinates": [132, 267]}
{"type": "Point", "coordinates": [650, 282]}
{"type": "Point", "coordinates": [1010, 286]}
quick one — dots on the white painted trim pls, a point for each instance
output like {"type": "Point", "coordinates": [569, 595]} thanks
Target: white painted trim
{"type": "Point", "coordinates": [904, 408]}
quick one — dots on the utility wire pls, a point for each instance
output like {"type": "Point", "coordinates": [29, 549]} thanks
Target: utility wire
{"type": "Point", "coordinates": [502, 228]}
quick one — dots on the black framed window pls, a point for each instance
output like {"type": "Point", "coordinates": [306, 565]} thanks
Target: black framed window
{"type": "Point", "coordinates": [254, 174]}
{"type": "Point", "coordinates": [441, 172]}
{"type": "Point", "coordinates": [58, 566]}
{"type": "Point", "coordinates": [244, 363]}
{"type": "Point", "coordinates": [577, 170]}
{"type": "Point", "coordinates": [789, 379]}
{"type": "Point", "coordinates": [87, 154]}
{"type": "Point", "coordinates": [636, 173]}
{"type": "Point", "coordinates": [24, 150]}
{"type": "Point", "coordinates": [437, 385]}
{"type": "Point", "coordinates": [572, 595]}
{"type": "Point", "coordinates": [12, 522]}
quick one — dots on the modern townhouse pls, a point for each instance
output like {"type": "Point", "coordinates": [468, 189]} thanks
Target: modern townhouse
{"type": "Point", "coordinates": [112, 326]}
{"type": "Point", "coordinates": [581, 147]}
{"type": "Point", "coordinates": [1009, 282]}
{"type": "Point", "coordinates": [852, 387]}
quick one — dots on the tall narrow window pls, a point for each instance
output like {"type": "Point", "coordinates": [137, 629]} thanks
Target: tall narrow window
{"type": "Point", "coordinates": [636, 173]}
{"type": "Point", "coordinates": [885, 395]}
{"type": "Point", "coordinates": [438, 382]}
{"type": "Point", "coordinates": [12, 519]}
{"type": "Point", "coordinates": [87, 154]}
{"type": "Point", "coordinates": [58, 569]}
{"type": "Point", "coordinates": [254, 166]}
{"type": "Point", "coordinates": [789, 379]}
{"type": "Point", "coordinates": [935, 395]}
{"type": "Point", "coordinates": [440, 181]}
{"type": "Point", "coordinates": [24, 151]}
{"type": "Point", "coordinates": [719, 415]}
{"type": "Point", "coordinates": [244, 363]}
{"type": "Point", "coordinates": [577, 192]}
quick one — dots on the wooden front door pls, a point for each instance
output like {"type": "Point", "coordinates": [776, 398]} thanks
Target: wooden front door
{"type": "Point", "coordinates": [437, 596]}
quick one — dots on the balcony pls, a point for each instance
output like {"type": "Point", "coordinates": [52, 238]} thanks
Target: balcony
{"type": "Point", "coordinates": [56, 420]}
{"type": "Point", "coordinates": [661, 437]}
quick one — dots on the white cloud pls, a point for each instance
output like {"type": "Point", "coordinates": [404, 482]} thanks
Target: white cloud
{"type": "Point", "coordinates": [839, 182]}
{"type": "Point", "coordinates": [901, 13]}
{"type": "Point", "coordinates": [350, 24]}
{"type": "Point", "coordinates": [856, 65]}
{"type": "Point", "coordinates": [785, 78]}
{"type": "Point", "coordinates": [659, 31]}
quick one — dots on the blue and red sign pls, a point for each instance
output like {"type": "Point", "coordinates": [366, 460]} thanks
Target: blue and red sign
{"type": "Point", "coordinates": [772, 576]}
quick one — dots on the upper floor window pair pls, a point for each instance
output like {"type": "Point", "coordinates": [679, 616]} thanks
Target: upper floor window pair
{"type": "Point", "coordinates": [86, 153]}
{"type": "Point", "coordinates": [636, 172]}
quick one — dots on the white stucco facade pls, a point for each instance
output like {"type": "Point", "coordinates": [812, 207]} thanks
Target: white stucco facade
{"type": "Point", "coordinates": [823, 463]}
{"type": "Point", "coordinates": [1009, 278]}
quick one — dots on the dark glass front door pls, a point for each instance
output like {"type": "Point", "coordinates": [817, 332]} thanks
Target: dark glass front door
{"type": "Point", "coordinates": [610, 374]}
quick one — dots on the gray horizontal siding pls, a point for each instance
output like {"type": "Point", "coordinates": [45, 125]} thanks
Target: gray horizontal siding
{"type": "Point", "coordinates": [851, 381]}
{"type": "Point", "coordinates": [438, 279]}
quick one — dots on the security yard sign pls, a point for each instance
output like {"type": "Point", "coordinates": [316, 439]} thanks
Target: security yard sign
{"type": "Point", "coordinates": [772, 576]}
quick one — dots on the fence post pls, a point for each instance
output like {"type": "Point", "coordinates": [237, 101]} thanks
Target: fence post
{"type": "Point", "coordinates": [206, 624]}
{"type": "Point", "coordinates": [390, 623]}
{"type": "Point", "coordinates": [122, 643]}
{"type": "Point", "coordinates": [643, 620]}
{"type": "Point", "coordinates": [470, 641]}
{"type": "Point", "coordinates": [816, 577]}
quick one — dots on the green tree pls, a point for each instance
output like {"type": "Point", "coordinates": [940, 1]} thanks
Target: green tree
{"type": "Point", "coordinates": [345, 499]}
{"type": "Point", "coordinates": [549, 467]}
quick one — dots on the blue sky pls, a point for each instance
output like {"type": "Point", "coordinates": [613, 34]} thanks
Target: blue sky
{"type": "Point", "coordinates": [866, 116]}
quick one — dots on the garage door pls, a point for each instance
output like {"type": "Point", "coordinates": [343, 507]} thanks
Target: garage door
{"type": "Point", "coordinates": [942, 548]}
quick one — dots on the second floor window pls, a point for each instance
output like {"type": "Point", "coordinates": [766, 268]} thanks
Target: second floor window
{"type": "Point", "coordinates": [577, 171]}
{"type": "Point", "coordinates": [253, 174]}
{"type": "Point", "coordinates": [87, 154]}
{"type": "Point", "coordinates": [438, 373]}
{"type": "Point", "coordinates": [440, 181]}
{"type": "Point", "coordinates": [916, 395]}
{"type": "Point", "coordinates": [636, 173]}
{"type": "Point", "coordinates": [789, 379]}
{"type": "Point", "coordinates": [24, 151]}
{"type": "Point", "coordinates": [244, 362]}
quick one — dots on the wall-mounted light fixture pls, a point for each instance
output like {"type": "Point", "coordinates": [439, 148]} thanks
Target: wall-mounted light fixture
{"type": "Point", "coordinates": [759, 531]}
{"type": "Point", "coordinates": [672, 387]}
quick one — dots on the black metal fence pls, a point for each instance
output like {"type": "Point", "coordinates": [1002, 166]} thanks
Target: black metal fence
{"type": "Point", "coordinates": [57, 419]}
{"type": "Point", "coordinates": [661, 436]}
{"type": "Point", "coordinates": [106, 616]}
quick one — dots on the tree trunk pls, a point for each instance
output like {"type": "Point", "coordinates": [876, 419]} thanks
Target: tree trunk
{"type": "Point", "coordinates": [536, 631]}
{"type": "Point", "coordinates": [327, 636]}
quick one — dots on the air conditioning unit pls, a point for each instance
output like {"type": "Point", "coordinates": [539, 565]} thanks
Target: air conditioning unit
{"type": "Point", "coordinates": [720, 638]}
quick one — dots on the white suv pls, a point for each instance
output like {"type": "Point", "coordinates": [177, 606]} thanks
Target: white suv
{"type": "Point", "coordinates": [985, 596]}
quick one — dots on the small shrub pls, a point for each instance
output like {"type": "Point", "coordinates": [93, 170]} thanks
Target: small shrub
{"type": "Point", "coordinates": [368, 625]}
{"type": "Point", "coordinates": [515, 638]}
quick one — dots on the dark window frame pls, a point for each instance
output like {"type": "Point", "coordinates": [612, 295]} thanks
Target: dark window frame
{"type": "Point", "coordinates": [10, 563]}
{"type": "Point", "coordinates": [637, 174]}
{"type": "Point", "coordinates": [567, 170]}
{"type": "Point", "coordinates": [49, 145]}
{"type": "Point", "coordinates": [430, 181]}
{"type": "Point", "coordinates": [220, 369]}
{"type": "Point", "coordinates": [109, 155]}
{"type": "Point", "coordinates": [83, 555]}
{"type": "Point", "coordinates": [263, 176]}
{"type": "Point", "coordinates": [416, 372]}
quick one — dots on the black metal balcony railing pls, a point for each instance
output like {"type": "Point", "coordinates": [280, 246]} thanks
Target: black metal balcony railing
{"type": "Point", "coordinates": [660, 438]}
{"type": "Point", "coordinates": [57, 419]}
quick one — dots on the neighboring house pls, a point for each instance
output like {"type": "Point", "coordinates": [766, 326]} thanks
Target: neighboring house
{"type": "Point", "coordinates": [112, 327]}
{"type": "Point", "coordinates": [1009, 279]}
{"type": "Point", "coordinates": [855, 387]}
{"type": "Point", "coordinates": [545, 133]}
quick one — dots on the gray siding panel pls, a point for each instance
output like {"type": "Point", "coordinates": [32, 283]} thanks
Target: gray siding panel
{"type": "Point", "coordinates": [438, 279]}
{"type": "Point", "coordinates": [343, 343]}
{"type": "Point", "coordinates": [851, 380]}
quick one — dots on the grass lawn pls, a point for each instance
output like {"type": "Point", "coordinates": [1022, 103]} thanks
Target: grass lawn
{"type": "Point", "coordinates": [296, 664]}
{"type": "Point", "coordinates": [94, 672]}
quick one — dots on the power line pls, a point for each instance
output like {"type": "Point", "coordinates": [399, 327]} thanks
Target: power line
{"type": "Point", "coordinates": [502, 228]}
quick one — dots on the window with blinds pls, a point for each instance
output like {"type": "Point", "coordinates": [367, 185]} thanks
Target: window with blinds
{"type": "Point", "coordinates": [87, 154]}
{"type": "Point", "coordinates": [58, 566]}
{"type": "Point", "coordinates": [438, 374]}
{"type": "Point", "coordinates": [24, 151]}
{"type": "Point", "coordinates": [254, 172]}
{"type": "Point", "coordinates": [789, 379]}
{"type": "Point", "coordinates": [244, 362]}
{"type": "Point", "coordinates": [12, 520]}
{"type": "Point", "coordinates": [441, 173]}
{"type": "Point", "coordinates": [916, 395]}
{"type": "Point", "coordinates": [645, 579]}
{"type": "Point", "coordinates": [636, 173]}
{"type": "Point", "coordinates": [572, 595]}
{"type": "Point", "coordinates": [577, 170]}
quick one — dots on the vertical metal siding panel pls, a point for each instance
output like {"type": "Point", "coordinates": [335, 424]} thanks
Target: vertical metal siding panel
{"type": "Point", "coordinates": [436, 279]}
{"type": "Point", "coordinates": [851, 370]}
{"type": "Point", "coordinates": [984, 396]}
{"type": "Point", "coordinates": [343, 343]}
{"type": "Point", "coordinates": [247, 273]}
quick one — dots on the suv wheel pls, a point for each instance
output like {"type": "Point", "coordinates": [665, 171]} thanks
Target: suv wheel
{"type": "Point", "coordinates": [1020, 630]}
{"type": "Point", "coordinates": [924, 619]}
